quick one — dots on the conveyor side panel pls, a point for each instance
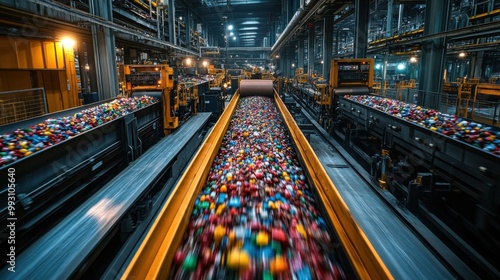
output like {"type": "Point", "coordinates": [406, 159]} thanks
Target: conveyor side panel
{"type": "Point", "coordinates": [156, 253]}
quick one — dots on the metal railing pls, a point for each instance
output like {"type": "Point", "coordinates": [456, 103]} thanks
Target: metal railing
{"type": "Point", "coordinates": [18, 105]}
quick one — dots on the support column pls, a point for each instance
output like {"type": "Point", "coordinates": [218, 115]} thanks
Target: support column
{"type": "Point", "coordinates": [280, 64]}
{"type": "Point", "coordinates": [188, 30]}
{"type": "Point", "coordinates": [390, 8]}
{"type": "Point", "coordinates": [433, 53]}
{"type": "Point", "coordinates": [272, 34]}
{"type": "Point", "coordinates": [362, 15]}
{"type": "Point", "coordinates": [300, 54]}
{"type": "Point", "coordinates": [327, 46]}
{"type": "Point", "coordinates": [104, 50]}
{"type": "Point", "coordinates": [310, 52]}
{"type": "Point", "coordinates": [476, 64]}
{"type": "Point", "coordinates": [400, 16]}
{"type": "Point", "coordinates": [337, 38]}
{"type": "Point", "coordinates": [384, 73]}
{"type": "Point", "coordinates": [172, 38]}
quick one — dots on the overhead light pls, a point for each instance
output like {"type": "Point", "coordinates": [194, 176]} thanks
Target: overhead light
{"type": "Point", "coordinates": [188, 61]}
{"type": "Point", "coordinates": [68, 43]}
{"type": "Point", "coordinates": [250, 22]}
{"type": "Point", "coordinates": [234, 38]}
{"type": "Point", "coordinates": [462, 54]}
{"type": "Point", "coordinates": [248, 36]}
{"type": "Point", "coordinates": [401, 66]}
{"type": "Point", "coordinates": [413, 59]}
{"type": "Point", "coordinates": [180, 18]}
{"type": "Point", "coordinates": [230, 27]}
{"type": "Point", "coordinates": [250, 28]}
{"type": "Point", "coordinates": [231, 34]}
{"type": "Point", "coordinates": [248, 33]}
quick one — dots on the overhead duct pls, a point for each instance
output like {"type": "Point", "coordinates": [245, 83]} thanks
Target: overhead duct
{"type": "Point", "coordinates": [300, 16]}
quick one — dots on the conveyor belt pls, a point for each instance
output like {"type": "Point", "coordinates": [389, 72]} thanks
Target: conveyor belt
{"type": "Point", "coordinates": [65, 248]}
{"type": "Point", "coordinates": [155, 255]}
{"type": "Point", "coordinates": [405, 255]}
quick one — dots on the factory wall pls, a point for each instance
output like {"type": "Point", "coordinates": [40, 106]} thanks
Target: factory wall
{"type": "Point", "coordinates": [37, 63]}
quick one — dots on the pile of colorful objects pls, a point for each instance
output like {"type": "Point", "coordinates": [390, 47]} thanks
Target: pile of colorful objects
{"type": "Point", "coordinates": [26, 141]}
{"type": "Point", "coordinates": [256, 217]}
{"type": "Point", "coordinates": [195, 80]}
{"type": "Point", "coordinates": [476, 134]}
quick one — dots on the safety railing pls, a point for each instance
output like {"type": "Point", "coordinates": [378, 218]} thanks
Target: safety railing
{"type": "Point", "coordinates": [18, 105]}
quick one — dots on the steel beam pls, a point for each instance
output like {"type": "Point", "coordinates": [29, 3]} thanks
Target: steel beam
{"type": "Point", "coordinates": [433, 53]}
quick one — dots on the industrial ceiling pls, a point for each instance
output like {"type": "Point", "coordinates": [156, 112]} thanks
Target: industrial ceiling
{"type": "Point", "coordinates": [250, 19]}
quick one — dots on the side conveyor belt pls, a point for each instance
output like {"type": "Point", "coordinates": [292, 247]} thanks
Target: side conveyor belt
{"type": "Point", "coordinates": [155, 255]}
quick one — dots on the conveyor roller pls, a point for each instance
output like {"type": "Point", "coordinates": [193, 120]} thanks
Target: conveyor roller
{"type": "Point", "coordinates": [256, 87]}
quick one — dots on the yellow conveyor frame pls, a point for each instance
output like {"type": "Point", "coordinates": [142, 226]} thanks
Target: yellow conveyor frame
{"type": "Point", "coordinates": [154, 257]}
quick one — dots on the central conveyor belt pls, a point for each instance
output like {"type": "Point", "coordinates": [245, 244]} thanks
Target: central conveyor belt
{"type": "Point", "coordinates": [156, 254]}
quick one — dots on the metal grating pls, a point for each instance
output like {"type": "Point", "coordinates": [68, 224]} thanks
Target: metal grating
{"type": "Point", "coordinates": [23, 104]}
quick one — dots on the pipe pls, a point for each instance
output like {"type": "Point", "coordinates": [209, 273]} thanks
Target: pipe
{"type": "Point", "coordinates": [296, 19]}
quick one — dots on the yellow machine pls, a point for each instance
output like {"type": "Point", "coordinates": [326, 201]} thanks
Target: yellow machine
{"type": "Point", "coordinates": [188, 98]}
{"type": "Point", "coordinates": [157, 81]}
{"type": "Point", "coordinates": [218, 77]}
{"type": "Point", "coordinates": [322, 97]}
{"type": "Point", "coordinates": [356, 72]}
{"type": "Point", "coordinates": [347, 76]}
{"type": "Point", "coordinates": [301, 76]}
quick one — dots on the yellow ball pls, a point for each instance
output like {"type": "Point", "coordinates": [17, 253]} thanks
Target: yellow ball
{"type": "Point", "coordinates": [262, 239]}
{"type": "Point", "coordinates": [237, 259]}
{"type": "Point", "coordinates": [219, 233]}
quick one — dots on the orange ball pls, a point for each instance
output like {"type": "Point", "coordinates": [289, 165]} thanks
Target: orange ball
{"type": "Point", "coordinates": [278, 265]}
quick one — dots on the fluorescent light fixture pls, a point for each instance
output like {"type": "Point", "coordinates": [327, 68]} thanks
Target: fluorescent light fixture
{"type": "Point", "coordinates": [250, 22]}
{"type": "Point", "coordinates": [230, 27]}
{"type": "Point", "coordinates": [231, 34]}
{"type": "Point", "coordinates": [401, 66]}
{"type": "Point", "coordinates": [250, 28]}
{"type": "Point", "coordinates": [248, 33]}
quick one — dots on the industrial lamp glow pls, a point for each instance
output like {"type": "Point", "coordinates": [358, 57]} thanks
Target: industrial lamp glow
{"type": "Point", "coordinates": [68, 43]}
{"type": "Point", "coordinates": [188, 61]}
{"type": "Point", "coordinates": [204, 63]}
